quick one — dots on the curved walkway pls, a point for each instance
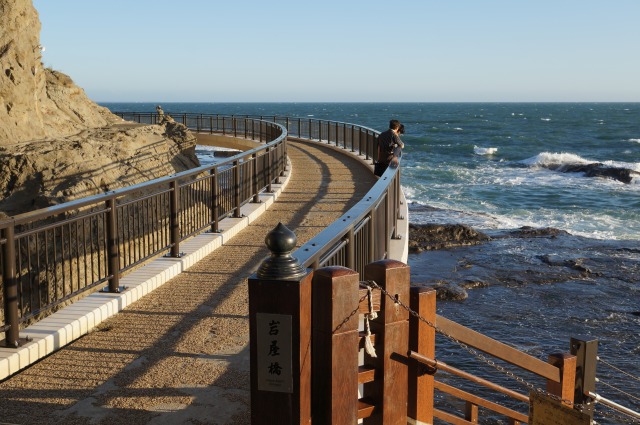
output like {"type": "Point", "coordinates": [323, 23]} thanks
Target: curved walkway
{"type": "Point", "coordinates": [180, 355]}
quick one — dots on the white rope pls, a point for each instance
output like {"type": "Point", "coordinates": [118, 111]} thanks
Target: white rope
{"type": "Point", "coordinates": [368, 345]}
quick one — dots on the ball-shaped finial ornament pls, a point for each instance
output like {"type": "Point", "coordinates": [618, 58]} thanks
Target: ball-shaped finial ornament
{"type": "Point", "coordinates": [280, 240]}
{"type": "Point", "coordinates": [281, 265]}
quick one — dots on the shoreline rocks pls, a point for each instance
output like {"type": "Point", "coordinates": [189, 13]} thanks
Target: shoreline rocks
{"type": "Point", "coordinates": [426, 237]}
{"type": "Point", "coordinates": [57, 145]}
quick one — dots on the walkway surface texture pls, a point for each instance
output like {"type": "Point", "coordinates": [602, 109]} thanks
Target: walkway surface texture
{"type": "Point", "coordinates": [180, 355]}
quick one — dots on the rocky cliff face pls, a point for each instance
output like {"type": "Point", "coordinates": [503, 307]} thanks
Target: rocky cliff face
{"type": "Point", "coordinates": [55, 143]}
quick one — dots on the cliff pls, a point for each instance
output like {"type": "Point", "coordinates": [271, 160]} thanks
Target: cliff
{"type": "Point", "coordinates": [55, 143]}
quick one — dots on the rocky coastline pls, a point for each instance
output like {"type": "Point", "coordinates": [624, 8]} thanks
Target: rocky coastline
{"type": "Point", "coordinates": [56, 144]}
{"type": "Point", "coordinates": [455, 258]}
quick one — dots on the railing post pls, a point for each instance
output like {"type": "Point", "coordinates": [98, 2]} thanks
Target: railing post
{"type": "Point", "coordinates": [387, 223]}
{"type": "Point", "coordinates": [586, 352]}
{"type": "Point", "coordinates": [215, 200]}
{"type": "Point", "coordinates": [392, 341]}
{"type": "Point", "coordinates": [280, 336]}
{"type": "Point", "coordinates": [113, 248]}
{"type": "Point", "coordinates": [351, 249]}
{"type": "Point", "coordinates": [269, 153]}
{"type": "Point", "coordinates": [174, 223]}
{"type": "Point", "coordinates": [236, 189]}
{"type": "Point", "coordinates": [422, 339]}
{"type": "Point", "coordinates": [372, 236]}
{"type": "Point", "coordinates": [565, 388]}
{"type": "Point", "coordinates": [335, 345]}
{"type": "Point", "coordinates": [10, 287]}
{"type": "Point", "coordinates": [254, 168]}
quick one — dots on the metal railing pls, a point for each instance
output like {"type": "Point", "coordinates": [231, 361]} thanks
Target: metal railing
{"type": "Point", "coordinates": [54, 255]}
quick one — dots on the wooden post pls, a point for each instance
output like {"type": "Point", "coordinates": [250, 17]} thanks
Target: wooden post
{"type": "Point", "coordinates": [335, 346]}
{"type": "Point", "coordinates": [392, 341]}
{"type": "Point", "coordinates": [280, 336]}
{"type": "Point", "coordinates": [422, 339]}
{"type": "Point", "coordinates": [565, 388]}
{"type": "Point", "coordinates": [471, 412]}
{"type": "Point", "coordinates": [586, 352]}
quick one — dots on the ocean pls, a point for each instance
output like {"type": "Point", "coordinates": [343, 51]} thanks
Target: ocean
{"type": "Point", "coordinates": [498, 167]}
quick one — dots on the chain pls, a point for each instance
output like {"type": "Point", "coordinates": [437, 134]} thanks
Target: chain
{"type": "Point", "coordinates": [474, 352]}
{"type": "Point", "coordinates": [618, 416]}
{"type": "Point", "coordinates": [353, 313]}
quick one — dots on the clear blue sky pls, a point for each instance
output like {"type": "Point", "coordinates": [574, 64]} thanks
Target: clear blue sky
{"type": "Point", "coordinates": [349, 50]}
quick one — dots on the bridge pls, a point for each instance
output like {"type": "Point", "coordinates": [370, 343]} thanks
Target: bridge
{"type": "Point", "coordinates": [173, 258]}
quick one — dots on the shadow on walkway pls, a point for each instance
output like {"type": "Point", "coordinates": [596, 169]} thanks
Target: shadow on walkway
{"type": "Point", "coordinates": [180, 355]}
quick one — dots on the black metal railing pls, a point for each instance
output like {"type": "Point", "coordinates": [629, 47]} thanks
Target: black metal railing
{"type": "Point", "coordinates": [53, 255]}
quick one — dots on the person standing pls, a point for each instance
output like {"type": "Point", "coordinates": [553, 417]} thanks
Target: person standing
{"type": "Point", "coordinates": [389, 146]}
{"type": "Point", "coordinates": [160, 113]}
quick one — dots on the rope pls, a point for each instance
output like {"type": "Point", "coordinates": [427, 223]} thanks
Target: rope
{"type": "Point", "coordinates": [618, 369]}
{"type": "Point", "coordinates": [368, 345]}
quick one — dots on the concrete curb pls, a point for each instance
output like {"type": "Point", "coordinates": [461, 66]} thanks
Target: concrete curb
{"type": "Point", "coordinates": [79, 318]}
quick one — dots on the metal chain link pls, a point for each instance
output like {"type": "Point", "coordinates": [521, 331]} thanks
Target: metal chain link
{"type": "Point", "coordinates": [474, 352]}
{"type": "Point", "coordinates": [353, 313]}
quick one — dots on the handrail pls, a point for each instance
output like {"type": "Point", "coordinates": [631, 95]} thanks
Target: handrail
{"type": "Point", "coordinates": [497, 349]}
{"type": "Point", "coordinates": [69, 251]}
{"type": "Point", "coordinates": [57, 253]}
{"type": "Point", "coordinates": [435, 364]}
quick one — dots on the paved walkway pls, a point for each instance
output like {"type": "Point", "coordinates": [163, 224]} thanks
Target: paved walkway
{"type": "Point", "coordinates": [180, 355]}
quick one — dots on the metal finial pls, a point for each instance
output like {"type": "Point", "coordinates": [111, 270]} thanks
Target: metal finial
{"type": "Point", "coordinates": [281, 265]}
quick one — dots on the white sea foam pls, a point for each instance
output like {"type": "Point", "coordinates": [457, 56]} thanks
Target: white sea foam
{"type": "Point", "coordinates": [634, 140]}
{"type": "Point", "coordinates": [545, 119]}
{"type": "Point", "coordinates": [484, 151]}
{"type": "Point", "coordinates": [555, 160]}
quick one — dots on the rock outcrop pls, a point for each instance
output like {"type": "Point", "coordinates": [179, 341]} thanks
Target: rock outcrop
{"type": "Point", "coordinates": [425, 237]}
{"type": "Point", "coordinates": [55, 143]}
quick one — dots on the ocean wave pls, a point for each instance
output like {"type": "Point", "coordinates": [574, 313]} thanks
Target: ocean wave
{"type": "Point", "coordinates": [572, 163]}
{"type": "Point", "coordinates": [554, 160]}
{"type": "Point", "coordinates": [634, 140]}
{"type": "Point", "coordinates": [484, 151]}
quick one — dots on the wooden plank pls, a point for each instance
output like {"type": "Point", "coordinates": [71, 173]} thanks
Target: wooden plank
{"type": "Point", "coordinates": [463, 395]}
{"type": "Point", "coordinates": [452, 419]}
{"type": "Point", "coordinates": [498, 349]}
{"type": "Point", "coordinates": [366, 374]}
{"type": "Point", "coordinates": [366, 408]}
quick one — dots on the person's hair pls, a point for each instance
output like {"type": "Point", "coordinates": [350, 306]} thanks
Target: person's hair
{"type": "Point", "coordinates": [394, 124]}
{"type": "Point", "coordinates": [401, 129]}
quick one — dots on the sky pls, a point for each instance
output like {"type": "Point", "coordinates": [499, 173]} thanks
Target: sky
{"type": "Point", "coordinates": [346, 51]}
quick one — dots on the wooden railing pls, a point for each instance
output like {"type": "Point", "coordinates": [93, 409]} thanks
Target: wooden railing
{"type": "Point", "coordinates": [336, 381]}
